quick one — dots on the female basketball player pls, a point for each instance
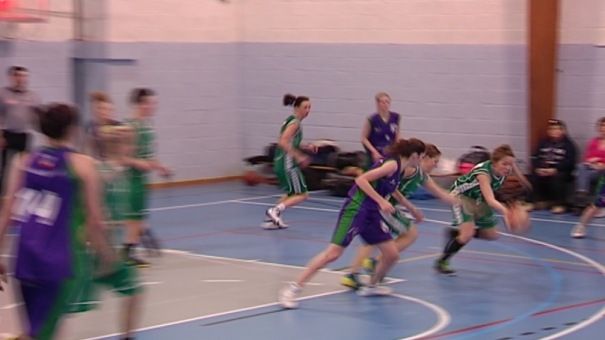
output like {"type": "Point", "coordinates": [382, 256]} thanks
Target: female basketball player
{"type": "Point", "coordinates": [289, 159]}
{"type": "Point", "coordinates": [380, 129]}
{"type": "Point", "coordinates": [141, 163]}
{"type": "Point", "coordinates": [53, 198]}
{"type": "Point", "coordinates": [579, 230]}
{"type": "Point", "coordinates": [360, 215]}
{"type": "Point", "coordinates": [474, 216]}
{"type": "Point", "coordinates": [401, 227]}
{"type": "Point", "coordinates": [102, 115]}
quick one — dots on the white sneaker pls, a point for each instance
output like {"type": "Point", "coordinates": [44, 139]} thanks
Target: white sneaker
{"type": "Point", "coordinates": [288, 295]}
{"type": "Point", "coordinates": [269, 225]}
{"type": "Point", "coordinates": [374, 290]}
{"type": "Point", "coordinates": [273, 215]}
{"type": "Point", "coordinates": [600, 213]}
{"type": "Point", "coordinates": [579, 231]}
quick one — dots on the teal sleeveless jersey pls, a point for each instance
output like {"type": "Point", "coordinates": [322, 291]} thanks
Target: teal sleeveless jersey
{"type": "Point", "coordinates": [468, 185]}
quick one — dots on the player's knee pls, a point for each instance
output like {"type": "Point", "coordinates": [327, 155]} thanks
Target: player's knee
{"type": "Point", "coordinates": [466, 234]}
{"type": "Point", "coordinates": [489, 234]}
{"type": "Point", "coordinates": [412, 233]}
{"type": "Point", "coordinates": [390, 254]}
{"type": "Point", "coordinates": [332, 254]}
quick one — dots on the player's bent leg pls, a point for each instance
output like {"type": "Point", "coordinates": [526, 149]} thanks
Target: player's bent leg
{"type": "Point", "coordinates": [351, 280]}
{"type": "Point", "coordinates": [288, 294]}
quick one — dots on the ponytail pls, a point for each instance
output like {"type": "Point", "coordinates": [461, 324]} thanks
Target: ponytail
{"type": "Point", "coordinates": [406, 147]}
{"type": "Point", "coordinates": [292, 100]}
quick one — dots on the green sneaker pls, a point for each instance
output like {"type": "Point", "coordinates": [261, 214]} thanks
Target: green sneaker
{"type": "Point", "coordinates": [443, 267]}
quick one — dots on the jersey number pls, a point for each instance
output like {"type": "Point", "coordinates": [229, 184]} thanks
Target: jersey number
{"type": "Point", "coordinates": [45, 205]}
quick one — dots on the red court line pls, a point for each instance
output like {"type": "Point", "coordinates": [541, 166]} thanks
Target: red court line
{"type": "Point", "coordinates": [499, 322]}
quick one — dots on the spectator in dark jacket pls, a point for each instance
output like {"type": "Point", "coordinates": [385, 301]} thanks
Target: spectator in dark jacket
{"type": "Point", "coordinates": [553, 162]}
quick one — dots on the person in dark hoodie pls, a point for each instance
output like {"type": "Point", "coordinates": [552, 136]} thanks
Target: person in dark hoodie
{"type": "Point", "coordinates": [553, 162]}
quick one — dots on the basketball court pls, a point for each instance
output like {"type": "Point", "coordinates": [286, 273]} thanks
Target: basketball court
{"type": "Point", "coordinates": [220, 275]}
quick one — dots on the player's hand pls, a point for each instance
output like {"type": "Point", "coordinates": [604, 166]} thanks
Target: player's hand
{"type": "Point", "coordinates": [304, 161]}
{"type": "Point", "coordinates": [376, 157]}
{"type": "Point", "coordinates": [417, 214]}
{"type": "Point", "coordinates": [386, 206]}
{"type": "Point", "coordinates": [166, 172]}
{"type": "Point", "coordinates": [3, 277]}
{"type": "Point", "coordinates": [312, 147]}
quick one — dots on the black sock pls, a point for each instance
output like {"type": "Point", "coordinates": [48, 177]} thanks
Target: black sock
{"type": "Point", "coordinates": [452, 246]}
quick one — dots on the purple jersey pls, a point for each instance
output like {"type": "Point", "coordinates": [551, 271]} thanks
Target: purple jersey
{"type": "Point", "coordinates": [384, 187]}
{"type": "Point", "coordinates": [382, 134]}
{"type": "Point", "coordinates": [50, 215]}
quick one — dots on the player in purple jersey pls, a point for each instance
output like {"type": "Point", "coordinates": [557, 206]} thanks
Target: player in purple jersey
{"type": "Point", "coordinates": [380, 130]}
{"type": "Point", "coordinates": [360, 215]}
{"type": "Point", "coordinates": [53, 197]}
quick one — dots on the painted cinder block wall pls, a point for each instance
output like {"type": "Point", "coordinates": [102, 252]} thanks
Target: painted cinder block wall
{"type": "Point", "coordinates": [456, 70]}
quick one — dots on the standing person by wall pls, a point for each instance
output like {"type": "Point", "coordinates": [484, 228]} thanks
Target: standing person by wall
{"type": "Point", "coordinates": [16, 116]}
{"type": "Point", "coordinates": [380, 130]}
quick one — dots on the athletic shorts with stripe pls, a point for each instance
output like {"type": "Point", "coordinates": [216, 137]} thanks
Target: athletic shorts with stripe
{"type": "Point", "coordinates": [472, 211]}
{"type": "Point", "coordinates": [354, 220]}
{"type": "Point", "coordinates": [123, 280]}
{"type": "Point", "coordinates": [47, 302]}
{"type": "Point", "coordinates": [599, 200]}
{"type": "Point", "coordinates": [397, 223]}
{"type": "Point", "coordinates": [138, 197]}
{"type": "Point", "coordinates": [290, 177]}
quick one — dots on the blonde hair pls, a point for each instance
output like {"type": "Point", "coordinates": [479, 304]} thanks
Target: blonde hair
{"type": "Point", "coordinates": [100, 97]}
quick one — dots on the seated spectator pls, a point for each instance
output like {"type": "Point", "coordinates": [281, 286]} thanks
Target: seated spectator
{"type": "Point", "coordinates": [593, 164]}
{"type": "Point", "coordinates": [553, 163]}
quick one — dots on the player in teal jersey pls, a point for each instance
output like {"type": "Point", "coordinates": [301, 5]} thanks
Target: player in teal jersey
{"type": "Point", "coordinates": [401, 227]}
{"type": "Point", "coordinates": [474, 216]}
{"type": "Point", "coordinates": [143, 161]}
{"type": "Point", "coordinates": [288, 161]}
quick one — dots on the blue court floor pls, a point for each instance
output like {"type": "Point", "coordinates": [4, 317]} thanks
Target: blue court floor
{"type": "Point", "coordinates": [544, 285]}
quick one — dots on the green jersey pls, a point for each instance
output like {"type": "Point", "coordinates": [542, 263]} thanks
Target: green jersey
{"type": "Point", "coordinates": [144, 141]}
{"type": "Point", "coordinates": [280, 154]}
{"type": "Point", "coordinates": [468, 185]}
{"type": "Point", "coordinates": [409, 185]}
{"type": "Point", "coordinates": [115, 190]}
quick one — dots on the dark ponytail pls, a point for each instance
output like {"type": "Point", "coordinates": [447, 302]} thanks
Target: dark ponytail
{"type": "Point", "coordinates": [292, 100]}
{"type": "Point", "coordinates": [406, 147]}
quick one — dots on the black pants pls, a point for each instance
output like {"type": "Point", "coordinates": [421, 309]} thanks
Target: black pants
{"type": "Point", "coordinates": [550, 188]}
{"type": "Point", "coordinates": [15, 142]}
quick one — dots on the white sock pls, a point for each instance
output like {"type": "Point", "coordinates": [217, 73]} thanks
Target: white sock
{"type": "Point", "coordinates": [280, 207]}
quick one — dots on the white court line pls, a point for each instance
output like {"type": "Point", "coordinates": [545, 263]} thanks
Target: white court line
{"type": "Point", "coordinates": [443, 317]}
{"type": "Point", "coordinates": [594, 318]}
{"type": "Point", "coordinates": [181, 252]}
{"type": "Point", "coordinates": [174, 207]}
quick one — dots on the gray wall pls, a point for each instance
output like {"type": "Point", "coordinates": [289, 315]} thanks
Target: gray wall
{"type": "Point", "coordinates": [221, 102]}
{"type": "Point", "coordinates": [581, 90]}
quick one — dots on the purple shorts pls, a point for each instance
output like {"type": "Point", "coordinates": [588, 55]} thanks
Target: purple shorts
{"type": "Point", "coordinates": [354, 220]}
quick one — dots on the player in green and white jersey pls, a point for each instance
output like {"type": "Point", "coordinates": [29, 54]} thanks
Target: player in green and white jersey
{"type": "Point", "coordinates": [141, 162]}
{"type": "Point", "coordinates": [402, 228]}
{"type": "Point", "coordinates": [288, 161]}
{"type": "Point", "coordinates": [475, 216]}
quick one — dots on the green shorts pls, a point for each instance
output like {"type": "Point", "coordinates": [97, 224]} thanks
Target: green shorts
{"type": "Point", "coordinates": [291, 179]}
{"type": "Point", "coordinates": [397, 223]}
{"type": "Point", "coordinates": [138, 198]}
{"type": "Point", "coordinates": [471, 211]}
{"type": "Point", "coordinates": [124, 281]}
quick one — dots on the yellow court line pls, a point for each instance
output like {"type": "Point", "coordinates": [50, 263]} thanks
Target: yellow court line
{"type": "Point", "coordinates": [523, 257]}
{"type": "Point", "coordinates": [415, 258]}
